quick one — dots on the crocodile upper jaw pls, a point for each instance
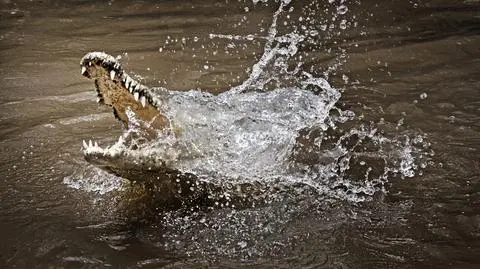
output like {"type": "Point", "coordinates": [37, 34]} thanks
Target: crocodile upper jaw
{"type": "Point", "coordinates": [117, 89]}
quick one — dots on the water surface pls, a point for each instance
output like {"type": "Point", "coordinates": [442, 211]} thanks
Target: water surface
{"type": "Point", "coordinates": [406, 74]}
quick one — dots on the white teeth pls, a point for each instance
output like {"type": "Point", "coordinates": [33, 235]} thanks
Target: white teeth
{"type": "Point", "coordinates": [143, 101]}
{"type": "Point", "coordinates": [132, 86]}
{"type": "Point", "coordinates": [136, 95]}
{"type": "Point", "coordinates": [91, 147]}
{"type": "Point", "coordinates": [83, 70]}
{"type": "Point", "coordinates": [112, 75]}
{"type": "Point", "coordinates": [120, 139]}
{"type": "Point", "coordinates": [98, 99]}
{"type": "Point", "coordinates": [127, 82]}
{"type": "Point", "coordinates": [89, 63]}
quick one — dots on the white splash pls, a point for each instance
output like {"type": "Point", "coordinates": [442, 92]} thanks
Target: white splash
{"type": "Point", "coordinates": [93, 179]}
{"type": "Point", "coordinates": [250, 133]}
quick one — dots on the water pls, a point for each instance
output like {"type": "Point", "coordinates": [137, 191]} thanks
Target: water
{"type": "Point", "coordinates": [350, 130]}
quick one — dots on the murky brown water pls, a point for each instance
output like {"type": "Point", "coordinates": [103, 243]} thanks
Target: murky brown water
{"type": "Point", "coordinates": [411, 67]}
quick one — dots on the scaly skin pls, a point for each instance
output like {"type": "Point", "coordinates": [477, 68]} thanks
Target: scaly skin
{"type": "Point", "coordinates": [117, 89]}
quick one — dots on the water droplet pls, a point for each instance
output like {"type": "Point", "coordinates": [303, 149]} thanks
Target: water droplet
{"type": "Point", "coordinates": [242, 244]}
{"type": "Point", "coordinates": [342, 9]}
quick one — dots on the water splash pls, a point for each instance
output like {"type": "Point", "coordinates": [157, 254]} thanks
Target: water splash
{"type": "Point", "coordinates": [280, 126]}
{"type": "Point", "coordinates": [93, 179]}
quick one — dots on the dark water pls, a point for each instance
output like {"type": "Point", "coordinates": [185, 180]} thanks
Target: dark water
{"type": "Point", "coordinates": [408, 68]}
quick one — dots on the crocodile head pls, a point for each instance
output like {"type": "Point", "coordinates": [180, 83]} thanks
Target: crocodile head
{"type": "Point", "coordinates": [117, 89]}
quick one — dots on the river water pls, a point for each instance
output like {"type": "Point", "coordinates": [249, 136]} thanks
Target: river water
{"type": "Point", "coordinates": [360, 117]}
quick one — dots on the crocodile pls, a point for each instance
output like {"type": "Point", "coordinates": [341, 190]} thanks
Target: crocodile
{"type": "Point", "coordinates": [150, 105]}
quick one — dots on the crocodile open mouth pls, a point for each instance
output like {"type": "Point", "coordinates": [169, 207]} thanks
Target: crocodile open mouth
{"type": "Point", "coordinates": [137, 106]}
{"type": "Point", "coordinates": [117, 89]}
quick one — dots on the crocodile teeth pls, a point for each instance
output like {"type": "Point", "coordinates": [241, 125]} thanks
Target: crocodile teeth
{"type": "Point", "coordinates": [98, 99]}
{"type": "Point", "coordinates": [143, 101]}
{"type": "Point", "coordinates": [112, 75]}
{"type": "Point", "coordinates": [132, 87]}
{"type": "Point", "coordinates": [85, 144]}
{"type": "Point", "coordinates": [83, 70]}
{"type": "Point", "coordinates": [90, 144]}
{"type": "Point", "coordinates": [136, 95]}
{"type": "Point", "coordinates": [127, 82]}
{"type": "Point", "coordinates": [96, 145]}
